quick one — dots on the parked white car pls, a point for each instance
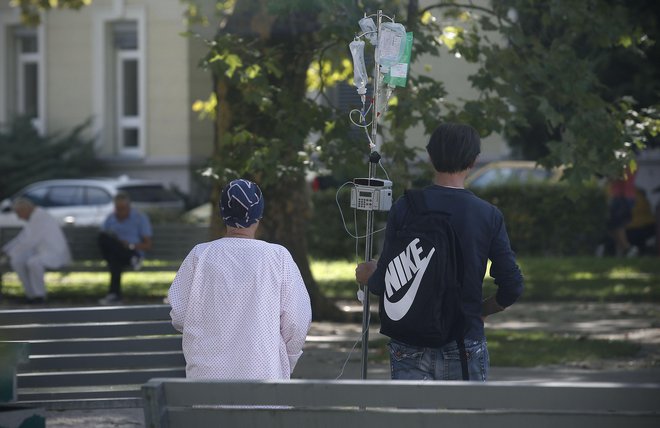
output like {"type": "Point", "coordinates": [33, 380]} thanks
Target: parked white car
{"type": "Point", "coordinates": [88, 201]}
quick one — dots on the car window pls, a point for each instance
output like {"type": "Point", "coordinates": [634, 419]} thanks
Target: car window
{"type": "Point", "coordinates": [534, 175]}
{"type": "Point", "coordinates": [64, 196]}
{"type": "Point", "coordinates": [38, 195]}
{"type": "Point", "coordinates": [493, 176]}
{"type": "Point", "coordinates": [149, 193]}
{"type": "Point", "coordinates": [97, 196]}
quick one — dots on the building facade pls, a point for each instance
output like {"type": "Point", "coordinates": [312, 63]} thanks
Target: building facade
{"type": "Point", "coordinates": [124, 65]}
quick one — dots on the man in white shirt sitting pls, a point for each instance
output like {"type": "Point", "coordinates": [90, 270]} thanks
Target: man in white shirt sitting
{"type": "Point", "coordinates": [39, 246]}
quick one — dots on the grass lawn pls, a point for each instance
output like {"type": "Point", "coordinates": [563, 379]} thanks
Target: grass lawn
{"type": "Point", "coordinates": [547, 279]}
{"type": "Point", "coordinates": [86, 287]}
{"type": "Point", "coordinates": [530, 349]}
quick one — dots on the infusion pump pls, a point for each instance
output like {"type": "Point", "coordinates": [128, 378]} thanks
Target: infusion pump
{"type": "Point", "coordinates": [371, 194]}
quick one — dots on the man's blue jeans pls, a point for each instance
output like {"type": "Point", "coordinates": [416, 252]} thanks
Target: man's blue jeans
{"type": "Point", "coordinates": [418, 363]}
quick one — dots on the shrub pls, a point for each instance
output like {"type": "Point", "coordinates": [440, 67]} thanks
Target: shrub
{"type": "Point", "coordinates": [28, 157]}
{"type": "Point", "coordinates": [557, 219]}
{"type": "Point", "coordinates": [541, 219]}
{"type": "Point", "coordinates": [326, 236]}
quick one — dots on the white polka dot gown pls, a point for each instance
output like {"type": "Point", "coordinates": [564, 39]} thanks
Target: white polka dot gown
{"type": "Point", "coordinates": [243, 309]}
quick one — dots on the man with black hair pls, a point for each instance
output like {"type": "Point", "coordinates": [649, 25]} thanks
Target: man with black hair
{"type": "Point", "coordinates": [481, 234]}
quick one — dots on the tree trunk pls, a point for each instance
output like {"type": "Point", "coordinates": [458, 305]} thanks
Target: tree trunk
{"type": "Point", "coordinates": [285, 222]}
{"type": "Point", "coordinates": [223, 118]}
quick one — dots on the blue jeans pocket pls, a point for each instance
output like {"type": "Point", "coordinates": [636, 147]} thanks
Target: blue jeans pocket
{"type": "Point", "coordinates": [477, 356]}
{"type": "Point", "coordinates": [406, 361]}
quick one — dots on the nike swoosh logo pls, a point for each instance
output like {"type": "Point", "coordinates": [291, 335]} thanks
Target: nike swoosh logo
{"type": "Point", "coordinates": [397, 310]}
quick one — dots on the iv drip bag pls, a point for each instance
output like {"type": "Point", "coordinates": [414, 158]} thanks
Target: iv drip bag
{"type": "Point", "coordinates": [359, 68]}
{"type": "Point", "coordinates": [368, 27]}
{"type": "Point", "coordinates": [391, 44]}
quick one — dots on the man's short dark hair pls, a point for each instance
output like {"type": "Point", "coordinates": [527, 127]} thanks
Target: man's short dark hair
{"type": "Point", "coordinates": [122, 196]}
{"type": "Point", "coordinates": [453, 147]}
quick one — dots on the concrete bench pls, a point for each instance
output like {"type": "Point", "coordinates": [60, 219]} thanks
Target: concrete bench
{"type": "Point", "coordinates": [171, 244]}
{"type": "Point", "coordinates": [92, 356]}
{"type": "Point", "coordinates": [176, 403]}
{"type": "Point", "coordinates": [11, 356]}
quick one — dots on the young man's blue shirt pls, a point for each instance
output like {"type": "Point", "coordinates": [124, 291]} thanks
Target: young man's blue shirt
{"type": "Point", "coordinates": [480, 228]}
{"type": "Point", "coordinates": [132, 229]}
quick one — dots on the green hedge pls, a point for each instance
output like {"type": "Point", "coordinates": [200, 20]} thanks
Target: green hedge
{"type": "Point", "coordinates": [541, 220]}
{"type": "Point", "coordinates": [551, 219]}
{"type": "Point", "coordinates": [326, 236]}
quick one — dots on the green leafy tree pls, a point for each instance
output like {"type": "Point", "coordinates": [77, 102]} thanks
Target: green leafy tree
{"type": "Point", "coordinates": [31, 9]}
{"type": "Point", "coordinates": [567, 82]}
{"type": "Point", "coordinates": [542, 76]}
{"type": "Point", "coordinates": [261, 60]}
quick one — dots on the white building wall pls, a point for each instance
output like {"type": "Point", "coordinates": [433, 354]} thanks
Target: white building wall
{"type": "Point", "coordinates": [170, 67]}
{"type": "Point", "coordinates": [68, 69]}
{"type": "Point", "coordinates": [167, 82]}
{"type": "Point", "coordinates": [454, 73]}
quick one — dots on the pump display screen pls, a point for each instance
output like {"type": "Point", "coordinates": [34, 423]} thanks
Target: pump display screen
{"type": "Point", "coordinates": [365, 194]}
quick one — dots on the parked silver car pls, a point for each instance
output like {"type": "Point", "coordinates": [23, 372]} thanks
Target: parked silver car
{"type": "Point", "coordinates": [88, 201]}
{"type": "Point", "coordinates": [511, 171]}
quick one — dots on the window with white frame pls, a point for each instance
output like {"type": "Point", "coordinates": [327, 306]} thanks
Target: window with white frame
{"type": "Point", "coordinates": [28, 92]}
{"type": "Point", "coordinates": [127, 88]}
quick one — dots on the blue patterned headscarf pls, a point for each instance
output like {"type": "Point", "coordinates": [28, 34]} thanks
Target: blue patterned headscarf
{"type": "Point", "coordinates": [241, 203]}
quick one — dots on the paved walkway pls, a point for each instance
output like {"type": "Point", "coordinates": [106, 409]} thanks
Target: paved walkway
{"type": "Point", "coordinates": [329, 345]}
{"type": "Point", "coordinates": [328, 352]}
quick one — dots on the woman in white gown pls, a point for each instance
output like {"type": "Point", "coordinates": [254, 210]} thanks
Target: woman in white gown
{"type": "Point", "coordinates": [240, 302]}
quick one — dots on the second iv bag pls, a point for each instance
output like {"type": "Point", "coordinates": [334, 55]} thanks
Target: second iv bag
{"type": "Point", "coordinates": [360, 76]}
{"type": "Point", "coordinates": [368, 27]}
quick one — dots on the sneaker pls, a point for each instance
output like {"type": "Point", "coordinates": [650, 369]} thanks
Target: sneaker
{"type": "Point", "coordinates": [38, 300]}
{"type": "Point", "coordinates": [110, 299]}
{"type": "Point", "coordinates": [136, 262]}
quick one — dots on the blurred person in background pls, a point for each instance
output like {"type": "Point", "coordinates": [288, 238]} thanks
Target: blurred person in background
{"type": "Point", "coordinates": [641, 230]}
{"type": "Point", "coordinates": [622, 194]}
{"type": "Point", "coordinates": [40, 245]}
{"type": "Point", "coordinates": [125, 236]}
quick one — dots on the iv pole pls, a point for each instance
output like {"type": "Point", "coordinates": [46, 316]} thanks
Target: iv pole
{"type": "Point", "coordinates": [374, 157]}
